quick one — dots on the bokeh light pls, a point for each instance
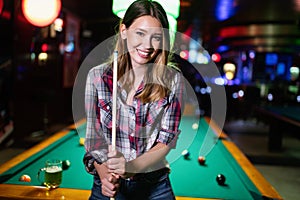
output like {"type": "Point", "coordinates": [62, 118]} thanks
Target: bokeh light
{"type": "Point", "coordinates": [41, 13]}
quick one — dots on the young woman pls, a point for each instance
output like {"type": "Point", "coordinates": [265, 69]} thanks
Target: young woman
{"type": "Point", "coordinates": [149, 104]}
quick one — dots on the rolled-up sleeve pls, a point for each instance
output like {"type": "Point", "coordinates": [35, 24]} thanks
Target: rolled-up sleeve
{"type": "Point", "coordinates": [95, 142]}
{"type": "Point", "coordinates": [172, 113]}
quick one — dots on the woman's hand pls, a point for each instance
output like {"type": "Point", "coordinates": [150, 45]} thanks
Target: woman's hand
{"type": "Point", "coordinates": [116, 163]}
{"type": "Point", "coordinates": [110, 182]}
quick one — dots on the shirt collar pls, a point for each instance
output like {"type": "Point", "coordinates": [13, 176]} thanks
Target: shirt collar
{"type": "Point", "coordinates": [108, 80]}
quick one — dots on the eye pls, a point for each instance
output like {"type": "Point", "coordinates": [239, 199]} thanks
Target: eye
{"type": "Point", "coordinates": [140, 33]}
{"type": "Point", "coordinates": [157, 38]}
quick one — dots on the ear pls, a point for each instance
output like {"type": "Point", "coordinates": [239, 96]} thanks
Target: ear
{"type": "Point", "coordinates": [123, 31]}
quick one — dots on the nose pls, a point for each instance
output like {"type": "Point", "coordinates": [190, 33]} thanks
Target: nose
{"type": "Point", "coordinates": [147, 42]}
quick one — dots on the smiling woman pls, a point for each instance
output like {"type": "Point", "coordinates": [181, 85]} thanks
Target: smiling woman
{"type": "Point", "coordinates": [149, 101]}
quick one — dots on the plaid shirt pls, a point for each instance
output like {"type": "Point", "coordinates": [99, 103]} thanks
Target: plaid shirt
{"type": "Point", "coordinates": [139, 126]}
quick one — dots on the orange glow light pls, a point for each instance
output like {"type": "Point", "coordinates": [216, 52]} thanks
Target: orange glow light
{"type": "Point", "coordinates": [41, 12]}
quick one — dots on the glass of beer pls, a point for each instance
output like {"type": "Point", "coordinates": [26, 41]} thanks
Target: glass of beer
{"type": "Point", "coordinates": [52, 173]}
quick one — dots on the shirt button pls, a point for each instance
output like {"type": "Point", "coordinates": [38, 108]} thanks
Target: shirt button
{"type": "Point", "coordinates": [107, 107]}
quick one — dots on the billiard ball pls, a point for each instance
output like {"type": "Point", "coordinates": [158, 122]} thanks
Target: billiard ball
{"type": "Point", "coordinates": [201, 160]}
{"type": "Point", "coordinates": [81, 141]}
{"type": "Point", "coordinates": [221, 179]}
{"type": "Point", "coordinates": [195, 126]}
{"type": "Point", "coordinates": [66, 164]}
{"type": "Point", "coordinates": [25, 178]}
{"type": "Point", "coordinates": [186, 154]}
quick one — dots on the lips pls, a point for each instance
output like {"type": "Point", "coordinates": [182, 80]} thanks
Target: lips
{"type": "Point", "coordinates": [144, 54]}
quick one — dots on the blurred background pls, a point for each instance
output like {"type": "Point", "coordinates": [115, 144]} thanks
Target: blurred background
{"type": "Point", "coordinates": [254, 44]}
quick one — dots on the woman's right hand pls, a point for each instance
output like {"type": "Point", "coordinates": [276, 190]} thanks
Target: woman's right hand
{"type": "Point", "coordinates": [110, 182]}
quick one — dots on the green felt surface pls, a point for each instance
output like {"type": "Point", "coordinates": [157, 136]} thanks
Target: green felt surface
{"type": "Point", "coordinates": [67, 148]}
{"type": "Point", "coordinates": [292, 112]}
{"type": "Point", "coordinates": [187, 176]}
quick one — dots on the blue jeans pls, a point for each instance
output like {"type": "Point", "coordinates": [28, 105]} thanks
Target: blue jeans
{"type": "Point", "coordinates": [144, 188]}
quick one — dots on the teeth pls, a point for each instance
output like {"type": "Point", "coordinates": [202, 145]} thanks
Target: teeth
{"type": "Point", "coordinates": [143, 53]}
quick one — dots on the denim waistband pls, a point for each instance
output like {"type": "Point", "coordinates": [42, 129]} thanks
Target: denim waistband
{"type": "Point", "coordinates": [154, 175]}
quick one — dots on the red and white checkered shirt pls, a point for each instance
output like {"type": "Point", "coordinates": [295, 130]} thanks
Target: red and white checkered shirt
{"type": "Point", "coordinates": [139, 126]}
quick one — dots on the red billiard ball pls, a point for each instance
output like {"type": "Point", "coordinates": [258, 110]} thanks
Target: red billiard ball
{"type": "Point", "coordinates": [201, 160]}
{"type": "Point", "coordinates": [221, 179]}
{"type": "Point", "coordinates": [25, 178]}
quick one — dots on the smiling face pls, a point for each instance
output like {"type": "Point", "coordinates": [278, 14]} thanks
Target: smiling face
{"type": "Point", "coordinates": [143, 39]}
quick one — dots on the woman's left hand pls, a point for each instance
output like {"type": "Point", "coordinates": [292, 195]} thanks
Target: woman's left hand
{"type": "Point", "coordinates": [116, 162]}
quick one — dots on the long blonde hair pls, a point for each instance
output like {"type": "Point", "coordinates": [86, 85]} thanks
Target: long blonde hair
{"type": "Point", "coordinates": [156, 79]}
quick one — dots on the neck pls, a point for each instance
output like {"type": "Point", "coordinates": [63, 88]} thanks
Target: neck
{"type": "Point", "coordinates": [139, 71]}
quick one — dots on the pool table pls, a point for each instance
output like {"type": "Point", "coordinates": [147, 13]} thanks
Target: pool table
{"type": "Point", "coordinates": [280, 120]}
{"type": "Point", "coordinates": [190, 180]}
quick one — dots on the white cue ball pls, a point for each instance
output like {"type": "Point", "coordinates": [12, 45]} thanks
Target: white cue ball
{"type": "Point", "coordinates": [195, 126]}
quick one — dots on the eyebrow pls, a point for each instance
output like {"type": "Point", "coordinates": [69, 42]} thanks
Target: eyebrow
{"type": "Point", "coordinates": [144, 30]}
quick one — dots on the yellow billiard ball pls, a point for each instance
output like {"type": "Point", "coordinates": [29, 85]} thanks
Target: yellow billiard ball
{"type": "Point", "coordinates": [81, 141]}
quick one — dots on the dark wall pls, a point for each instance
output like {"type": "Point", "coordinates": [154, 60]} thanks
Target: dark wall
{"type": "Point", "coordinates": [6, 40]}
{"type": "Point", "coordinates": [39, 98]}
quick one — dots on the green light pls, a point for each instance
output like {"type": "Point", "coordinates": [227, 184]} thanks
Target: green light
{"type": "Point", "coordinates": [120, 6]}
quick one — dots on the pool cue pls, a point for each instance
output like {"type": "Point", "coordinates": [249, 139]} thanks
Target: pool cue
{"type": "Point", "coordinates": [114, 103]}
